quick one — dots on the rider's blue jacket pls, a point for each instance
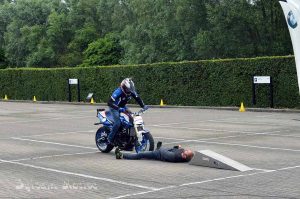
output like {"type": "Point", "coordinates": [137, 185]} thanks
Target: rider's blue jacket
{"type": "Point", "coordinates": [119, 99]}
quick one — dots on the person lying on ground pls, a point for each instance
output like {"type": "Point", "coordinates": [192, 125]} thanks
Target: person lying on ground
{"type": "Point", "coordinates": [175, 154]}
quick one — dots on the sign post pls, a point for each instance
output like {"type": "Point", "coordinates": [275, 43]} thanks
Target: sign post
{"type": "Point", "coordinates": [74, 82]}
{"type": "Point", "coordinates": [262, 80]}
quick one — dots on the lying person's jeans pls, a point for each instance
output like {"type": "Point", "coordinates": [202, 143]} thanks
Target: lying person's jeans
{"type": "Point", "coordinates": [163, 154]}
{"type": "Point", "coordinates": [151, 155]}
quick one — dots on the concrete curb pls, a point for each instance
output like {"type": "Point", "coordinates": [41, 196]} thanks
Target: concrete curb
{"type": "Point", "coordinates": [165, 106]}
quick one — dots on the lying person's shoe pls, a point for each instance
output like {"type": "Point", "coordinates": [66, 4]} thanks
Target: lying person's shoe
{"type": "Point", "coordinates": [158, 145]}
{"type": "Point", "coordinates": [118, 153]}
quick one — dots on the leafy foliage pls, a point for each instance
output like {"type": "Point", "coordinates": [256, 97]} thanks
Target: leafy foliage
{"type": "Point", "coordinates": [104, 51]}
{"type": "Point", "coordinates": [55, 33]}
{"type": "Point", "coordinates": [225, 82]}
{"type": "Point", "coordinates": [243, 29]}
{"type": "Point", "coordinates": [2, 58]}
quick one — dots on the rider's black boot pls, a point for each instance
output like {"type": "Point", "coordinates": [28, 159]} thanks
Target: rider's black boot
{"type": "Point", "coordinates": [158, 145]}
{"type": "Point", "coordinates": [118, 153]}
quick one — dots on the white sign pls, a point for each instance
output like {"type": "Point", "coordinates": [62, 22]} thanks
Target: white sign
{"type": "Point", "coordinates": [261, 80]}
{"type": "Point", "coordinates": [291, 9]}
{"type": "Point", "coordinates": [73, 81]}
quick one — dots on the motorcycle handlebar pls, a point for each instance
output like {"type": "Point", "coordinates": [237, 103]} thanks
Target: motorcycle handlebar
{"type": "Point", "coordinates": [140, 112]}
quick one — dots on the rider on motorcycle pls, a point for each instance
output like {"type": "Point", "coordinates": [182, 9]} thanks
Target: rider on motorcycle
{"type": "Point", "coordinates": [117, 104]}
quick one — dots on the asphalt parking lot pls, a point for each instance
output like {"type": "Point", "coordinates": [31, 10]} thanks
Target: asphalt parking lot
{"type": "Point", "coordinates": [48, 151]}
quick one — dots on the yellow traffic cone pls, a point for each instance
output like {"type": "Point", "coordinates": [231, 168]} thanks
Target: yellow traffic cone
{"type": "Point", "coordinates": [34, 98]}
{"type": "Point", "coordinates": [5, 97]}
{"type": "Point", "coordinates": [161, 102]}
{"type": "Point", "coordinates": [92, 101]}
{"type": "Point", "coordinates": [242, 108]}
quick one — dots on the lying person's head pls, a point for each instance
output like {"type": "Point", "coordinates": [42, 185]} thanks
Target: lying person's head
{"type": "Point", "coordinates": [187, 154]}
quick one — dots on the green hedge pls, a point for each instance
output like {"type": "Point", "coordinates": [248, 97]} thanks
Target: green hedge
{"type": "Point", "coordinates": [197, 83]}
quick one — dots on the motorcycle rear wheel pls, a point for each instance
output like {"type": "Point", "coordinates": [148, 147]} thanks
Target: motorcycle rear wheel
{"type": "Point", "coordinates": [101, 140]}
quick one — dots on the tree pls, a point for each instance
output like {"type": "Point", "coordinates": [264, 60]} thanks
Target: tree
{"type": "Point", "coordinates": [58, 36]}
{"type": "Point", "coordinates": [16, 50]}
{"type": "Point", "coordinates": [2, 59]}
{"type": "Point", "coordinates": [163, 30]}
{"type": "Point", "coordinates": [82, 38]}
{"type": "Point", "coordinates": [191, 18]}
{"type": "Point", "coordinates": [149, 38]}
{"type": "Point", "coordinates": [56, 33]}
{"type": "Point", "coordinates": [238, 29]}
{"type": "Point", "coordinates": [104, 51]}
{"type": "Point", "coordinates": [44, 56]}
{"type": "Point", "coordinates": [6, 13]}
{"type": "Point", "coordinates": [26, 16]}
{"type": "Point", "coordinates": [273, 35]}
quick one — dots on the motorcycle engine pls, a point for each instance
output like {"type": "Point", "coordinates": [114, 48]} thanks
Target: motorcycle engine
{"type": "Point", "coordinates": [123, 136]}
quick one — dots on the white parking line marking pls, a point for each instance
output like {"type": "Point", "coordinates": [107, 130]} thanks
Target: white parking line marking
{"type": "Point", "coordinates": [46, 119]}
{"type": "Point", "coordinates": [249, 133]}
{"type": "Point", "coordinates": [167, 138]}
{"type": "Point", "coordinates": [279, 135]}
{"type": "Point", "coordinates": [215, 138]}
{"type": "Point", "coordinates": [220, 120]}
{"type": "Point", "coordinates": [218, 179]}
{"type": "Point", "coordinates": [142, 193]}
{"type": "Point", "coordinates": [175, 123]}
{"type": "Point", "coordinates": [55, 143]}
{"type": "Point", "coordinates": [244, 133]}
{"type": "Point", "coordinates": [231, 144]}
{"type": "Point", "coordinates": [49, 134]}
{"type": "Point", "coordinates": [226, 121]}
{"type": "Point", "coordinates": [250, 123]}
{"type": "Point", "coordinates": [80, 175]}
{"type": "Point", "coordinates": [193, 122]}
{"type": "Point", "coordinates": [249, 146]}
{"type": "Point", "coordinates": [288, 168]}
{"type": "Point", "coordinates": [215, 130]}
{"type": "Point", "coordinates": [62, 133]}
{"type": "Point", "coordinates": [266, 170]}
{"type": "Point", "coordinates": [205, 181]}
{"type": "Point", "coordinates": [196, 128]}
{"type": "Point", "coordinates": [134, 194]}
{"type": "Point", "coordinates": [179, 141]}
{"type": "Point", "coordinates": [225, 178]}
{"type": "Point", "coordinates": [53, 156]}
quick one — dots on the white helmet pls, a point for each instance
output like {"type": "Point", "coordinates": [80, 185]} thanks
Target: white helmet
{"type": "Point", "coordinates": [127, 86]}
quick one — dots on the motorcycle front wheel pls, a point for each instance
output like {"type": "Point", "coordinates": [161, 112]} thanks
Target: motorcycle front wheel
{"type": "Point", "coordinates": [147, 143]}
{"type": "Point", "coordinates": [101, 140]}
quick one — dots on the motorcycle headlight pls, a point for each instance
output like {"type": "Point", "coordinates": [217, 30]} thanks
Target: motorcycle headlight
{"type": "Point", "coordinates": [140, 128]}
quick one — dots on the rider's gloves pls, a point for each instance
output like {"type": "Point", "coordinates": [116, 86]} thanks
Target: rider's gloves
{"type": "Point", "coordinates": [145, 108]}
{"type": "Point", "coordinates": [122, 110]}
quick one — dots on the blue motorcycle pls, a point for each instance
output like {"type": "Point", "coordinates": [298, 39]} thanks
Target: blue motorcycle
{"type": "Point", "coordinates": [131, 134]}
